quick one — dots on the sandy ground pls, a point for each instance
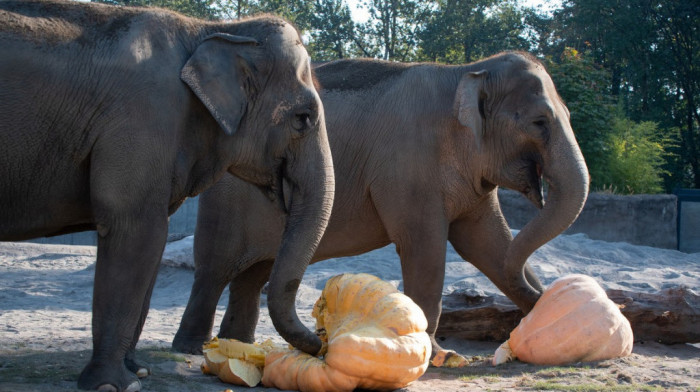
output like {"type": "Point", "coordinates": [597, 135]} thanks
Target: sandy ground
{"type": "Point", "coordinates": [46, 292]}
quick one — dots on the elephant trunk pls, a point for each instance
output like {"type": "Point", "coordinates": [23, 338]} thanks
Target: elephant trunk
{"type": "Point", "coordinates": [312, 183]}
{"type": "Point", "coordinates": [567, 175]}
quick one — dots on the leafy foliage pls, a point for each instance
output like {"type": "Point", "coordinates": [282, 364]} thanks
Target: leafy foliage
{"type": "Point", "coordinates": [390, 32]}
{"type": "Point", "coordinates": [333, 31]}
{"type": "Point", "coordinates": [636, 157]}
{"type": "Point", "coordinates": [651, 50]}
{"type": "Point", "coordinates": [621, 154]}
{"type": "Point", "coordinates": [462, 31]}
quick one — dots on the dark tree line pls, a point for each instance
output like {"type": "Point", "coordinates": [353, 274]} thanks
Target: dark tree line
{"type": "Point", "coordinates": [628, 69]}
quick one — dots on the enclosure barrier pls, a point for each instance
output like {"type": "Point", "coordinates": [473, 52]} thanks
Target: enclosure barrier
{"type": "Point", "coordinates": [662, 221]}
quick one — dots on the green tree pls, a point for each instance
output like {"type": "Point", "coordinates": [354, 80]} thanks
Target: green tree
{"type": "Point", "coordinates": [585, 89]}
{"type": "Point", "coordinates": [621, 154]}
{"type": "Point", "coordinates": [390, 32]}
{"type": "Point", "coordinates": [462, 31]}
{"type": "Point", "coordinates": [332, 33]}
{"type": "Point", "coordinates": [678, 25]}
{"type": "Point", "coordinates": [651, 49]}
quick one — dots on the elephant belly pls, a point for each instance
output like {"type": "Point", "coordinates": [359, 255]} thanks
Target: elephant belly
{"type": "Point", "coordinates": [352, 235]}
{"type": "Point", "coordinates": [44, 204]}
{"type": "Point", "coordinates": [32, 221]}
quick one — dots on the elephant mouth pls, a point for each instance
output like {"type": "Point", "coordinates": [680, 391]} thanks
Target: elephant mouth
{"type": "Point", "coordinates": [276, 189]}
{"type": "Point", "coordinates": [270, 183]}
{"type": "Point", "coordinates": [534, 190]}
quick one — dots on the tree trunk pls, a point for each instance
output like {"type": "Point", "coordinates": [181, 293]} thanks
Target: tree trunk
{"type": "Point", "coordinates": [669, 316]}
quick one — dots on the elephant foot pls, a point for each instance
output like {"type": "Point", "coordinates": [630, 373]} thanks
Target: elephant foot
{"type": "Point", "coordinates": [526, 300]}
{"type": "Point", "coordinates": [449, 359]}
{"type": "Point", "coordinates": [133, 387]}
{"type": "Point", "coordinates": [102, 377]}
{"type": "Point", "coordinates": [189, 344]}
{"type": "Point", "coordinates": [139, 368]}
{"type": "Point", "coordinates": [445, 358]}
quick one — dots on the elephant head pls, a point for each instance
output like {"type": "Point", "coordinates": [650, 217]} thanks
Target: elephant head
{"type": "Point", "coordinates": [521, 127]}
{"type": "Point", "coordinates": [263, 96]}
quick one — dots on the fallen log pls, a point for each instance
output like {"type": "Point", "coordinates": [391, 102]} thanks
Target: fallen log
{"type": "Point", "coordinates": [669, 316]}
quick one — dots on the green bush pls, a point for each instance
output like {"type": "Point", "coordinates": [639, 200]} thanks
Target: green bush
{"type": "Point", "coordinates": [622, 156]}
{"type": "Point", "coordinates": [634, 157]}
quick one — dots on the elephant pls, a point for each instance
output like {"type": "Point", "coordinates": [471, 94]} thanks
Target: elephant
{"type": "Point", "coordinates": [110, 117]}
{"type": "Point", "coordinates": [419, 151]}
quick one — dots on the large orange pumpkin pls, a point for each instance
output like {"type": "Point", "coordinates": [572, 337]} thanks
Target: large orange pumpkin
{"type": "Point", "coordinates": [375, 338]}
{"type": "Point", "coordinates": [573, 321]}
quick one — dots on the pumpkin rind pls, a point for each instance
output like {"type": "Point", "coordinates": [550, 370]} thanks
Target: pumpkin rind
{"type": "Point", "coordinates": [573, 321]}
{"type": "Point", "coordinates": [296, 370]}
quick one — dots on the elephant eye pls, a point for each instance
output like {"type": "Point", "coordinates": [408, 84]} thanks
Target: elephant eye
{"type": "Point", "coordinates": [301, 121]}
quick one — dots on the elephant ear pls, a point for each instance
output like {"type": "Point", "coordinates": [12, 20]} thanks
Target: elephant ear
{"type": "Point", "coordinates": [470, 99]}
{"type": "Point", "coordinates": [222, 77]}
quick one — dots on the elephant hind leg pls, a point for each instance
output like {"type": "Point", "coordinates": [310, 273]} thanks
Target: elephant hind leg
{"type": "Point", "coordinates": [198, 319]}
{"type": "Point", "coordinates": [243, 309]}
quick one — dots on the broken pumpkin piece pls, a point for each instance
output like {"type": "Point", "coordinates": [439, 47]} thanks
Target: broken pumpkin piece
{"type": "Point", "coordinates": [214, 359]}
{"type": "Point", "coordinates": [236, 362]}
{"type": "Point", "coordinates": [239, 372]}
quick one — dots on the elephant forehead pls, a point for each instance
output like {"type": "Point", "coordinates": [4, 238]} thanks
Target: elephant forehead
{"type": "Point", "coordinates": [293, 49]}
{"type": "Point", "coordinates": [536, 87]}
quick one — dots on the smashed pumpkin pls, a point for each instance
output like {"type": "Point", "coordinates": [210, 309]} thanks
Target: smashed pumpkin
{"type": "Point", "coordinates": [235, 362]}
{"type": "Point", "coordinates": [374, 336]}
{"type": "Point", "coordinates": [573, 321]}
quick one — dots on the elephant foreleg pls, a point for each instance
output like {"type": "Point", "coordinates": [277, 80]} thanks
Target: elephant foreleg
{"type": "Point", "coordinates": [139, 368]}
{"type": "Point", "coordinates": [243, 309]}
{"type": "Point", "coordinates": [483, 239]}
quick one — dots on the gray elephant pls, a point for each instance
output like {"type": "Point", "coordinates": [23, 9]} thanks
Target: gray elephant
{"type": "Point", "coordinates": [110, 117]}
{"type": "Point", "coordinates": [419, 150]}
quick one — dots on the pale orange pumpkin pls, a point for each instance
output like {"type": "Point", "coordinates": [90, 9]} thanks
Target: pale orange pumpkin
{"type": "Point", "coordinates": [573, 321]}
{"type": "Point", "coordinates": [375, 338]}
